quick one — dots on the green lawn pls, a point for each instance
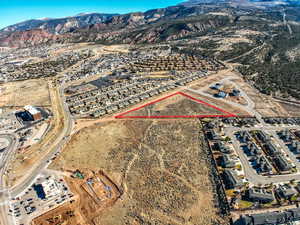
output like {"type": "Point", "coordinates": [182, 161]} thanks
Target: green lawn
{"type": "Point", "coordinates": [245, 204]}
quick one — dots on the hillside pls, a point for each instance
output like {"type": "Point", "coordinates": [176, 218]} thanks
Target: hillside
{"type": "Point", "coordinates": [261, 37]}
{"type": "Point", "coordinates": [58, 25]}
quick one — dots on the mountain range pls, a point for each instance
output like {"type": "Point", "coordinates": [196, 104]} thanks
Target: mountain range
{"type": "Point", "coordinates": [261, 37]}
{"type": "Point", "coordinates": [115, 27]}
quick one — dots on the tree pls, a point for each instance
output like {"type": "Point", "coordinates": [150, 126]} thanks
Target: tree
{"type": "Point", "coordinates": [227, 139]}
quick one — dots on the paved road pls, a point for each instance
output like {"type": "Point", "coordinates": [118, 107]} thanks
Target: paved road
{"type": "Point", "coordinates": [250, 173]}
{"type": "Point", "coordinates": [249, 107]}
{"type": "Point", "coordinates": [31, 175]}
{"type": "Point", "coordinates": [60, 141]}
{"type": "Point", "coordinates": [4, 193]}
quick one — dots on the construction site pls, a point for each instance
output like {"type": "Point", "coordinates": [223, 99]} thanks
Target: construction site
{"type": "Point", "coordinates": [94, 193]}
{"type": "Point", "coordinates": [176, 105]}
{"type": "Point", "coordinates": [160, 176]}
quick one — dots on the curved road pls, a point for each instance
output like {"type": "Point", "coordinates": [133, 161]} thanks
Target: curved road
{"type": "Point", "coordinates": [4, 193]}
{"type": "Point", "coordinates": [250, 173]}
{"type": "Point", "coordinates": [30, 176]}
{"type": "Point", "coordinates": [60, 141]}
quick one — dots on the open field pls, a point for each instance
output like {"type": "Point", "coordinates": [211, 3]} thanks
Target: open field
{"type": "Point", "coordinates": [23, 93]}
{"type": "Point", "coordinates": [205, 82]}
{"type": "Point", "coordinates": [162, 175]}
{"type": "Point", "coordinates": [176, 105]}
{"type": "Point", "coordinates": [264, 104]}
{"type": "Point", "coordinates": [222, 105]}
{"type": "Point", "coordinates": [293, 110]}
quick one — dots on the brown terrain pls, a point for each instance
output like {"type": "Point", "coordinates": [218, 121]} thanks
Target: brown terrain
{"type": "Point", "coordinates": [25, 158]}
{"type": "Point", "coordinates": [28, 38]}
{"type": "Point", "coordinates": [176, 105]}
{"type": "Point", "coordinates": [66, 214]}
{"type": "Point", "coordinates": [21, 93]}
{"type": "Point", "coordinates": [161, 175]}
{"type": "Point", "coordinates": [94, 193]}
{"type": "Point", "coordinates": [218, 103]}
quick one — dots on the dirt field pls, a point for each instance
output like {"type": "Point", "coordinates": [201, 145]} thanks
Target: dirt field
{"type": "Point", "coordinates": [264, 104]}
{"type": "Point", "coordinates": [161, 174]}
{"type": "Point", "coordinates": [67, 214]}
{"type": "Point", "coordinates": [31, 92]}
{"type": "Point", "coordinates": [222, 105]}
{"type": "Point", "coordinates": [176, 105]}
{"type": "Point", "coordinates": [293, 110]}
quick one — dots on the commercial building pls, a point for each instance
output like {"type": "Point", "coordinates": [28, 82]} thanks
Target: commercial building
{"type": "Point", "coordinates": [33, 112]}
{"type": "Point", "coordinates": [221, 94]}
{"type": "Point", "coordinates": [40, 192]}
{"type": "Point", "coordinates": [217, 86]}
{"type": "Point", "coordinates": [236, 92]}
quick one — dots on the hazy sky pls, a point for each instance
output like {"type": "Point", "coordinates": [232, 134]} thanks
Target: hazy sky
{"type": "Point", "coordinates": [14, 11]}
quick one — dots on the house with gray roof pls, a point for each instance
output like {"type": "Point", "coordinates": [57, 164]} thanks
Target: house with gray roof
{"type": "Point", "coordinates": [286, 191]}
{"type": "Point", "coordinates": [260, 195]}
{"type": "Point", "coordinates": [281, 163]}
{"type": "Point", "coordinates": [231, 179]}
{"type": "Point", "coordinates": [271, 218]}
{"type": "Point", "coordinates": [227, 162]}
{"type": "Point", "coordinates": [263, 136]}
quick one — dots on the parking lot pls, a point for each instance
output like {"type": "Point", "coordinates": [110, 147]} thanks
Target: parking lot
{"type": "Point", "coordinates": [48, 191]}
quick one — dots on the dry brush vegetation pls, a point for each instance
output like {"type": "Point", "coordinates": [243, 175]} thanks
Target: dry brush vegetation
{"type": "Point", "coordinates": [158, 166]}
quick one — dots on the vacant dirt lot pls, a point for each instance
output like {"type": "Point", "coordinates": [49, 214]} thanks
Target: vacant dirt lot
{"type": "Point", "coordinates": [292, 110]}
{"type": "Point", "coordinates": [162, 175]}
{"type": "Point", "coordinates": [176, 105]}
{"type": "Point", "coordinates": [264, 104]}
{"type": "Point", "coordinates": [222, 105]}
{"type": "Point", "coordinates": [21, 93]}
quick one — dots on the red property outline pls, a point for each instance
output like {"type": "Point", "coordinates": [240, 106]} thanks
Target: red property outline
{"type": "Point", "coordinates": [122, 115]}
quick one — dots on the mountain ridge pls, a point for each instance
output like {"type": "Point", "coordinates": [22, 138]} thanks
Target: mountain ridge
{"type": "Point", "coordinates": [138, 27]}
{"type": "Point", "coordinates": [58, 25]}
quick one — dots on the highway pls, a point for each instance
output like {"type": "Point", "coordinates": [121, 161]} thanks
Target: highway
{"type": "Point", "coordinates": [58, 144]}
{"type": "Point", "coordinates": [31, 175]}
{"type": "Point", "coordinates": [4, 193]}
